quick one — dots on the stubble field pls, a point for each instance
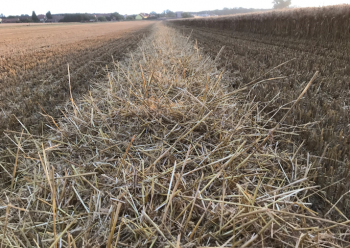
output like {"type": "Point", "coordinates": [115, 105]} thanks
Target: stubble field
{"type": "Point", "coordinates": [288, 47]}
{"type": "Point", "coordinates": [231, 139]}
{"type": "Point", "coordinates": [34, 64]}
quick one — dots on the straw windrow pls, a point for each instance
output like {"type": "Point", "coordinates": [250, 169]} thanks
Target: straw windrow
{"type": "Point", "coordinates": [161, 154]}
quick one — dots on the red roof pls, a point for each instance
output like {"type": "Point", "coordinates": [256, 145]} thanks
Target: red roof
{"type": "Point", "coordinates": [144, 15]}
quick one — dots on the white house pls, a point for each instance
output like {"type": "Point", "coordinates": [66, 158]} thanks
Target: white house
{"type": "Point", "coordinates": [42, 18]}
{"type": "Point", "coordinates": [178, 14]}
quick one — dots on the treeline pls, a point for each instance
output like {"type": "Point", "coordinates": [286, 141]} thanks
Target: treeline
{"type": "Point", "coordinates": [21, 18]}
{"type": "Point", "coordinates": [27, 18]}
{"type": "Point", "coordinates": [228, 11]}
{"type": "Point", "coordinates": [225, 11]}
{"type": "Point", "coordinates": [77, 17]}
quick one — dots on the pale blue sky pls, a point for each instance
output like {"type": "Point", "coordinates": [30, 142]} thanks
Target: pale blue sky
{"type": "Point", "coordinates": [15, 7]}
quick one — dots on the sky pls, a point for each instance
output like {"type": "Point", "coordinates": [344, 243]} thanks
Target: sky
{"type": "Point", "coordinates": [17, 7]}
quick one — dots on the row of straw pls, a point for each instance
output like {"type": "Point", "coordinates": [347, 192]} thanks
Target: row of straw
{"type": "Point", "coordinates": [161, 154]}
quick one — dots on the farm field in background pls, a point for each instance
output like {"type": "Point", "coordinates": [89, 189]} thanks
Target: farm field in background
{"type": "Point", "coordinates": [33, 64]}
{"type": "Point", "coordinates": [11, 25]}
{"type": "Point", "coordinates": [19, 38]}
{"type": "Point", "coordinates": [309, 40]}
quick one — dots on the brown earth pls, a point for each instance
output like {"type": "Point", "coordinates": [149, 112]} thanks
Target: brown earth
{"type": "Point", "coordinates": [34, 71]}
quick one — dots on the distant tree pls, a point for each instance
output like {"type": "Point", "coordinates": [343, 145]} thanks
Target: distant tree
{"type": "Point", "coordinates": [169, 13]}
{"type": "Point", "coordinates": [227, 11]}
{"type": "Point", "coordinates": [155, 14]}
{"type": "Point", "coordinates": [116, 16]}
{"type": "Point", "coordinates": [186, 15]}
{"type": "Point", "coordinates": [108, 18]}
{"type": "Point", "coordinates": [48, 15]}
{"type": "Point", "coordinates": [77, 17]}
{"type": "Point", "coordinates": [35, 17]}
{"type": "Point", "coordinates": [25, 18]}
{"type": "Point", "coordinates": [130, 17]}
{"type": "Point", "coordinates": [281, 4]}
{"type": "Point", "coordinates": [102, 19]}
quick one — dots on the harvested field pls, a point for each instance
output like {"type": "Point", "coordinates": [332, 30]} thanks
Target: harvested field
{"type": "Point", "coordinates": [309, 40]}
{"type": "Point", "coordinates": [11, 25]}
{"type": "Point", "coordinates": [207, 133]}
{"type": "Point", "coordinates": [33, 64]}
{"type": "Point", "coordinates": [163, 153]}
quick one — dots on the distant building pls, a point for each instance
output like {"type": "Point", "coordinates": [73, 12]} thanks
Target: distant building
{"type": "Point", "coordinates": [42, 18]}
{"type": "Point", "coordinates": [178, 14]}
{"type": "Point", "coordinates": [25, 18]}
{"type": "Point", "coordinates": [142, 16]}
{"type": "Point", "coordinates": [10, 20]}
